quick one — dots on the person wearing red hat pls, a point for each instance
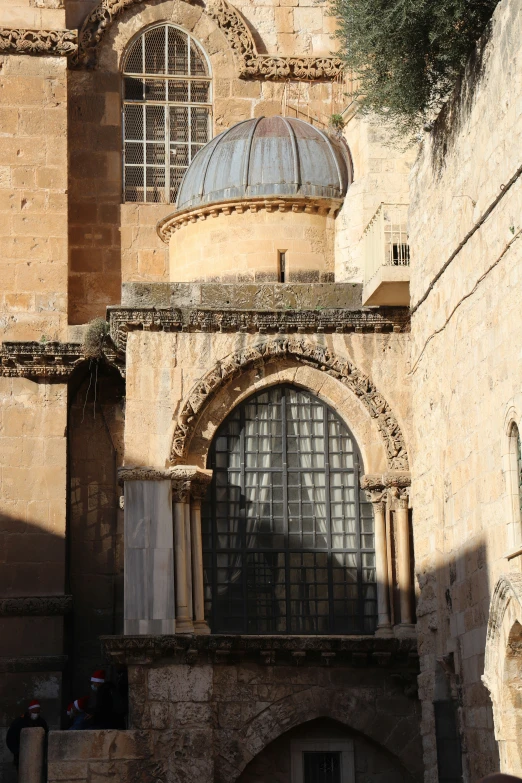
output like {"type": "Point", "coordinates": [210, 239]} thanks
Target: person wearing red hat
{"type": "Point", "coordinates": [79, 714]}
{"type": "Point", "coordinates": [102, 708]}
{"type": "Point", "coordinates": [30, 719]}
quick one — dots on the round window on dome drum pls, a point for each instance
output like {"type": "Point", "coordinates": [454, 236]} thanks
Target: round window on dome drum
{"type": "Point", "coordinates": [167, 112]}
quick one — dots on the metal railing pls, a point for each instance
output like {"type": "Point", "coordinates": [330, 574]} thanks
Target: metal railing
{"type": "Point", "coordinates": [386, 239]}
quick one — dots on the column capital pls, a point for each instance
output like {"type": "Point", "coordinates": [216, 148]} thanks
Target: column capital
{"type": "Point", "coordinates": [394, 479]}
{"type": "Point", "coordinates": [174, 474]}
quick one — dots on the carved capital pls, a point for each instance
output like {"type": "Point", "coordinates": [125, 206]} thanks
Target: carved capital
{"type": "Point", "coordinates": [180, 490]}
{"type": "Point", "coordinates": [60, 43]}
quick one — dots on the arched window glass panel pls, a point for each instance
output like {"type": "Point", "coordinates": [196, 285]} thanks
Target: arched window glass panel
{"type": "Point", "coordinates": [167, 102]}
{"type": "Point", "coordinates": [516, 469]}
{"type": "Point", "coordinates": [287, 534]}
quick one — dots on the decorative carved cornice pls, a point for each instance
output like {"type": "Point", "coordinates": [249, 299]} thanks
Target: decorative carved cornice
{"type": "Point", "coordinates": [33, 663]}
{"type": "Point", "coordinates": [124, 320]}
{"type": "Point", "coordinates": [312, 206]}
{"type": "Point", "coordinates": [251, 64]}
{"type": "Point", "coordinates": [39, 360]}
{"type": "Point", "coordinates": [60, 43]}
{"type": "Point", "coordinates": [309, 353]}
{"type": "Point", "coordinates": [370, 651]}
{"type": "Point", "coordinates": [36, 606]}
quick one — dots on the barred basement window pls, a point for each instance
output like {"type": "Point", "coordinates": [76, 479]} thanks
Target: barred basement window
{"type": "Point", "coordinates": [288, 535]}
{"type": "Point", "coordinates": [167, 103]}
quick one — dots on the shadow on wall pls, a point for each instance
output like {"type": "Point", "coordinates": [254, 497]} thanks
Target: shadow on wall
{"type": "Point", "coordinates": [95, 186]}
{"type": "Point", "coordinates": [95, 521]}
{"type": "Point", "coordinates": [452, 617]}
{"type": "Point", "coordinates": [31, 646]}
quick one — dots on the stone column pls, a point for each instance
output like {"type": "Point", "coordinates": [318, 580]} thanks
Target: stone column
{"type": "Point", "coordinates": [198, 491]}
{"type": "Point", "coordinates": [404, 558]}
{"type": "Point", "coordinates": [381, 564]}
{"type": "Point", "coordinates": [149, 555]}
{"type": "Point", "coordinates": [32, 743]}
{"type": "Point", "coordinates": [180, 495]}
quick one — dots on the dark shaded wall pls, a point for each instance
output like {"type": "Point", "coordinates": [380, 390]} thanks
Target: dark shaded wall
{"type": "Point", "coordinates": [95, 531]}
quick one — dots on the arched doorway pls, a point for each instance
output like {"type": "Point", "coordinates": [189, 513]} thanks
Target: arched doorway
{"type": "Point", "coordinates": [287, 534]}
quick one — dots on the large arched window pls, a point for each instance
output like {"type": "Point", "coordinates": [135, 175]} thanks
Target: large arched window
{"type": "Point", "coordinates": [287, 534]}
{"type": "Point", "coordinates": [166, 112]}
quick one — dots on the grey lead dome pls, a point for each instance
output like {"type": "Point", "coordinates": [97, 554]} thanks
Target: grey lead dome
{"type": "Point", "coordinates": [266, 156]}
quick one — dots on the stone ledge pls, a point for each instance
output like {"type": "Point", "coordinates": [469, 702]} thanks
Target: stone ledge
{"type": "Point", "coordinates": [33, 663]}
{"type": "Point", "coordinates": [36, 606]}
{"type": "Point", "coordinates": [39, 360]}
{"type": "Point", "coordinates": [354, 651]}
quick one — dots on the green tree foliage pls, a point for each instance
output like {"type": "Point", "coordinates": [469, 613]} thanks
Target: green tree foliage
{"type": "Point", "coordinates": [407, 54]}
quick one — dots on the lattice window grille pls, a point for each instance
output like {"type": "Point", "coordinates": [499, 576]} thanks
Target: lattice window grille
{"type": "Point", "coordinates": [167, 112]}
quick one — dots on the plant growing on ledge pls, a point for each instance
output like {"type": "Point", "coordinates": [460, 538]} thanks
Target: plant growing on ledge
{"type": "Point", "coordinates": [337, 122]}
{"type": "Point", "coordinates": [406, 55]}
{"type": "Point", "coordinates": [95, 338]}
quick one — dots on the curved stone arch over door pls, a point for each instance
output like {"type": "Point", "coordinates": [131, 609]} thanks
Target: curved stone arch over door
{"type": "Point", "coordinates": [503, 667]}
{"type": "Point", "coordinates": [400, 737]}
{"type": "Point", "coordinates": [339, 383]}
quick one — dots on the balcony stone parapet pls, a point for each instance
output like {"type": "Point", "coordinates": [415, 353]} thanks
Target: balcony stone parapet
{"type": "Point", "coordinates": [352, 651]}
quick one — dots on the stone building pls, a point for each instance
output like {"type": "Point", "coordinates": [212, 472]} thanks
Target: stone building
{"type": "Point", "coordinates": [239, 457]}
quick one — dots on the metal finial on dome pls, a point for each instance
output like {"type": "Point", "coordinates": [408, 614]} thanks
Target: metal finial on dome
{"type": "Point", "coordinates": [266, 156]}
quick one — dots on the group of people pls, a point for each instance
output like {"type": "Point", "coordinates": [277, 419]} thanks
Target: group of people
{"type": "Point", "coordinates": [104, 708]}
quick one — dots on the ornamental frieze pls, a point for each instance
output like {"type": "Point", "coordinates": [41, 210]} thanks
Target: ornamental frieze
{"type": "Point", "coordinates": [33, 663]}
{"type": "Point", "coordinates": [297, 650]}
{"type": "Point", "coordinates": [251, 64]}
{"type": "Point", "coordinates": [39, 360]}
{"type": "Point", "coordinates": [124, 320]}
{"type": "Point", "coordinates": [307, 352]}
{"type": "Point", "coordinates": [60, 43]}
{"type": "Point", "coordinates": [36, 606]}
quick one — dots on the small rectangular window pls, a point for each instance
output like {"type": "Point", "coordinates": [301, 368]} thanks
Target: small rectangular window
{"type": "Point", "coordinates": [322, 767]}
{"type": "Point", "coordinates": [282, 266]}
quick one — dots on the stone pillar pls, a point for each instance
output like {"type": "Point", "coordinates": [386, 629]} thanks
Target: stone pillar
{"type": "Point", "coordinates": [149, 556]}
{"type": "Point", "coordinates": [404, 559]}
{"type": "Point", "coordinates": [32, 745]}
{"type": "Point", "coordinates": [197, 492]}
{"type": "Point", "coordinates": [180, 490]}
{"type": "Point", "coordinates": [381, 564]}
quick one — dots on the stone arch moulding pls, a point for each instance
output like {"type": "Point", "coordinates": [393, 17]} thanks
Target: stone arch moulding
{"type": "Point", "coordinates": [304, 351]}
{"type": "Point", "coordinates": [505, 614]}
{"type": "Point", "coordinates": [252, 65]}
{"type": "Point", "coordinates": [310, 704]}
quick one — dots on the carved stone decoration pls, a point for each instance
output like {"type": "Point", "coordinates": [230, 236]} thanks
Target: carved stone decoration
{"type": "Point", "coordinates": [39, 360]}
{"type": "Point", "coordinates": [36, 606]}
{"type": "Point", "coordinates": [124, 320]}
{"type": "Point", "coordinates": [189, 473]}
{"type": "Point", "coordinates": [252, 65]}
{"type": "Point", "coordinates": [278, 650]}
{"type": "Point", "coordinates": [308, 353]}
{"type": "Point", "coordinates": [378, 482]}
{"type": "Point", "coordinates": [60, 43]}
{"type": "Point", "coordinates": [33, 663]}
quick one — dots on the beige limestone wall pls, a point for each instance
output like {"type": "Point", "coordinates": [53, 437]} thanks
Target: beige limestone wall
{"type": "Point", "coordinates": [246, 246]}
{"type": "Point", "coordinates": [380, 174]}
{"type": "Point", "coordinates": [162, 368]}
{"type": "Point", "coordinates": [33, 198]}
{"type": "Point", "coordinates": [33, 14]}
{"type": "Point", "coordinates": [465, 374]}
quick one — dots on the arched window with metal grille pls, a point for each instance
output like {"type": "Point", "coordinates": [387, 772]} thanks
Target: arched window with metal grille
{"type": "Point", "coordinates": [167, 106]}
{"type": "Point", "coordinates": [288, 536]}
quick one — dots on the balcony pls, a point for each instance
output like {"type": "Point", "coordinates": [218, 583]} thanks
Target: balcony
{"type": "Point", "coordinates": [387, 258]}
